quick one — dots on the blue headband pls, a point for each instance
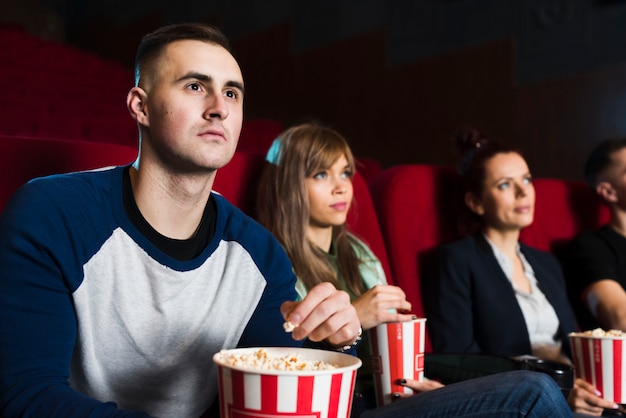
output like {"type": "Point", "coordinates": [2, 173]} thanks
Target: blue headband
{"type": "Point", "coordinates": [273, 154]}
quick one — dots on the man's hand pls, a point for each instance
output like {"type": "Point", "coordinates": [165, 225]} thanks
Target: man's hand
{"type": "Point", "coordinates": [324, 314]}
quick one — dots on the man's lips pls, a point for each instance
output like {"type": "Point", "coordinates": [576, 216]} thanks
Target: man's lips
{"type": "Point", "coordinates": [215, 133]}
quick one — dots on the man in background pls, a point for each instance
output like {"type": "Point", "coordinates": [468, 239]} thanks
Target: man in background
{"type": "Point", "coordinates": [596, 269]}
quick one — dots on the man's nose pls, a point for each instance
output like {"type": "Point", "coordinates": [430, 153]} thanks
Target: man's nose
{"type": "Point", "coordinates": [217, 107]}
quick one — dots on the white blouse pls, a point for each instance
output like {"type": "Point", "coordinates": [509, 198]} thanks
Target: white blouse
{"type": "Point", "coordinates": [541, 319]}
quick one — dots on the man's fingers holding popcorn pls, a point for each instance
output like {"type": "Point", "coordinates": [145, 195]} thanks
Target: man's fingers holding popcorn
{"type": "Point", "coordinates": [289, 326]}
{"type": "Point", "coordinates": [324, 314]}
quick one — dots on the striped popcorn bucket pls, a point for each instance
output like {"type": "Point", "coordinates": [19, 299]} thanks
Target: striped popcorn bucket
{"type": "Point", "coordinates": [397, 353]}
{"type": "Point", "coordinates": [245, 392]}
{"type": "Point", "coordinates": [601, 361]}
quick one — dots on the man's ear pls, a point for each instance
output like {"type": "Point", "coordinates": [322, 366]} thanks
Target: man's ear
{"type": "Point", "coordinates": [136, 103]}
{"type": "Point", "coordinates": [606, 191]}
{"type": "Point", "coordinates": [474, 204]}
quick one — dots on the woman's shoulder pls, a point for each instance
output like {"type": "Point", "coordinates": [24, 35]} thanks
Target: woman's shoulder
{"type": "Point", "coordinates": [468, 249]}
{"type": "Point", "coordinates": [537, 256]}
{"type": "Point", "coordinates": [462, 244]}
{"type": "Point", "coordinates": [360, 247]}
{"type": "Point", "coordinates": [527, 249]}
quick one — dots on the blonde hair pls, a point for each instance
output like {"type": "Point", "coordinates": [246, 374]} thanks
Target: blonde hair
{"type": "Point", "coordinates": [283, 205]}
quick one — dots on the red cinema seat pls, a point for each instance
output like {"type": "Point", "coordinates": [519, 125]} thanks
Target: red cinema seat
{"type": "Point", "coordinates": [24, 158]}
{"type": "Point", "coordinates": [368, 168]}
{"type": "Point", "coordinates": [237, 180]}
{"type": "Point", "coordinates": [417, 206]}
{"type": "Point", "coordinates": [258, 134]}
{"type": "Point", "coordinates": [563, 209]}
{"type": "Point", "coordinates": [364, 223]}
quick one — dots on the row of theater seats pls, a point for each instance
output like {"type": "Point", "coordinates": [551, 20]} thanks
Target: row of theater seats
{"type": "Point", "coordinates": [403, 212]}
{"type": "Point", "coordinates": [53, 90]}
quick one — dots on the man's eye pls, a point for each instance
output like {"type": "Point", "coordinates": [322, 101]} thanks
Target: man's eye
{"type": "Point", "coordinates": [194, 87]}
{"type": "Point", "coordinates": [232, 94]}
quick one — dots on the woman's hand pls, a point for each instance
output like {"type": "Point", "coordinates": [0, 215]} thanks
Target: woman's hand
{"type": "Point", "coordinates": [374, 305]}
{"type": "Point", "coordinates": [418, 387]}
{"type": "Point", "coordinates": [585, 399]}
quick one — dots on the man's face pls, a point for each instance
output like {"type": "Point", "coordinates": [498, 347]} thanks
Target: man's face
{"type": "Point", "coordinates": [615, 175]}
{"type": "Point", "coordinates": [194, 107]}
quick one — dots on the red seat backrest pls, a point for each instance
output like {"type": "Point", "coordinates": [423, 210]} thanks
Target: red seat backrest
{"type": "Point", "coordinates": [364, 223]}
{"type": "Point", "coordinates": [258, 134]}
{"type": "Point", "coordinates": [237, 180]}
{"type": "Point", "coordinates": [417, 208]}
{"type": "Point", "coordinates": [563, 209]}
{"type": "Point", "coordinates": [23, 158]}
{"type": "Point", "coordinates": [368, 168]}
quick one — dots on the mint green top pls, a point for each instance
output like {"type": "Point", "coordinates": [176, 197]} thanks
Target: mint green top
{"type": "Point", "coordinates": [372, 274]}
{"type": "Point", "coordinates": [371, 269]}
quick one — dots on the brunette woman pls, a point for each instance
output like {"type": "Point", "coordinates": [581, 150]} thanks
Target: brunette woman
{"type": "Point", "coordinates": [490, 293]}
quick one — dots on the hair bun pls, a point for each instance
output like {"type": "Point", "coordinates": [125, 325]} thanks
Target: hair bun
{"type": "Point", "coordinates": [468, 139]}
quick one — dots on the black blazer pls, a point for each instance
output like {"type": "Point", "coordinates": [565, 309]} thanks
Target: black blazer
{"type": "Point", "coordinates": [471, 306]}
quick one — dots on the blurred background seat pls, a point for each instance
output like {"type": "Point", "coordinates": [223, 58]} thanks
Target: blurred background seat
{"type": "Point", "coordinates": [24, 158]}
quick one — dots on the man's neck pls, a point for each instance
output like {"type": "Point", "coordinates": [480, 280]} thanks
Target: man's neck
{"type": "Point", "coordinates": [173, 207]}
{"type": "Point", "coordinates": [618, 221]}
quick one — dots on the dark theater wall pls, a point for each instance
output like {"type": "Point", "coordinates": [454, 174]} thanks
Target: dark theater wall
{"type": "Point", "coordinates": [398, 77]}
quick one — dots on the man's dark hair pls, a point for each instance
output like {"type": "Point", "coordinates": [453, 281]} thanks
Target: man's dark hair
{"type": "Point", "coordinates": [153, 44]}
{"type": "Point", "coordinates": [600, 159]}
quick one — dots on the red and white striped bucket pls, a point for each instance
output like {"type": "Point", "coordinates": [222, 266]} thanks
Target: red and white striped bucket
{"type": "Point", "coordinates": [247, 393]}
{"type": "Point", "coordinates": [601, 361]}
{"type": "Point", "coordinates": [398, 353]}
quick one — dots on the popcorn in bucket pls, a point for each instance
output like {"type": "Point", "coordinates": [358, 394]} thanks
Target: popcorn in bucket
{"type": "Point", "coordinates": [600, 359]}
{"type": "Point", "coordinates": [285, 381]}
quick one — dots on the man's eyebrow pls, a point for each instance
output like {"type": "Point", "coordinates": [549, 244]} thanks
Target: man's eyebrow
{"type": "Point", "coordinates": [207, 79]}
{"type": "Point", "coordinates": [197, 76]}
{"type": "Point", "coordinates": [237, 85]}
